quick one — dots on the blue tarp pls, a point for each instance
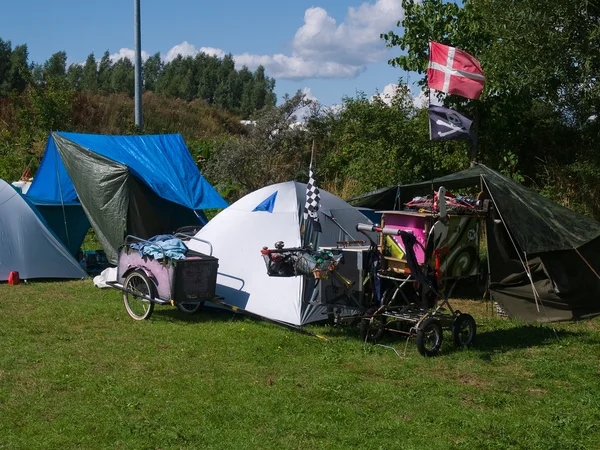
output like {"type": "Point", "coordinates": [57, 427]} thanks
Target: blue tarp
{"type": "Point", "coordinates": [161, 161]}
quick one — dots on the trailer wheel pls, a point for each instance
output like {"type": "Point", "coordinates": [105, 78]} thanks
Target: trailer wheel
{"type": "Point", "coordinates": [138, 285]}
{"type": "Point", "coordinates": [464, 329]}
{"type": "Point", "coordinates": [429, 337]}
{"type": "Point", "coordinates": [372, 328]}
{"type": "Point", "coordinates": [190, 307]}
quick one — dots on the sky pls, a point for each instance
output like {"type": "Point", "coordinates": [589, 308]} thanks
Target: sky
{"type": "Point", "coordinates": [326, 48]}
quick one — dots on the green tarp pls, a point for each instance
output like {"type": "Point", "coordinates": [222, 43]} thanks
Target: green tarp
{"type": "Point", "coordinates": [524, 229]}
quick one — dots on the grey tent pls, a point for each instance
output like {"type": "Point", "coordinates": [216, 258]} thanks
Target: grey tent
{"type": "Point", "coordinates": [544, 259]}
{"type": "Point", "coordinates": [27, 245]}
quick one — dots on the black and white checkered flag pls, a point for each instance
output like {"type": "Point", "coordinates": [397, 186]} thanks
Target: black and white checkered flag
{"type": "Point", "coordinates": [313, 199]}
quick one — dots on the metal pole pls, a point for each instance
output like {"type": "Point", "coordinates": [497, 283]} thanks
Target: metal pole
{"type": "Point", "coordinates": [138, 65]}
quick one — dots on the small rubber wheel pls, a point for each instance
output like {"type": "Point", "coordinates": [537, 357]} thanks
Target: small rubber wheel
{"type": "Point", "coordinates": [429, 337]}
{"type": "Point", "coordinates": [463, 330]}
{"type": "Point", "coordinates": [138, 285]}
{"type": "Point", "coordinates": [190, 307]}
{"type": "Point", "coordinates": [372, 328]}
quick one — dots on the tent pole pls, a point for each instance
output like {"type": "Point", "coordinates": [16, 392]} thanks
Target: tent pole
{"type": "Point", "coordinates": [588, 264]}
{"type": "Point", "coordinates": [62, 202]}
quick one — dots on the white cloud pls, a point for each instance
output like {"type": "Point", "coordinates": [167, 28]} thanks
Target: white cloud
{"type": "Point", "coordinates": [127, 53]}
{"type": "Point", "coordinates": [389, 91]}
{"type": "Point", "coordinates": [420, 100]}
{"type": "Point", "coordinates": [186, 49]}
{"type": "Point", "coordinates": [323, 49]}
{"type": "Point", "coordinates": [320, 48]}
{"type": "Point", "coordinates": [308, 94]}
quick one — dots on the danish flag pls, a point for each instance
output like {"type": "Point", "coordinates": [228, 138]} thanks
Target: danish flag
{"type": "Point", "coordinates": [454, 71]}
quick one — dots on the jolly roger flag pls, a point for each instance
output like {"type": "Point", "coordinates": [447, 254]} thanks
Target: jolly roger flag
{"type": "Point", "coordinates": [446, 124]}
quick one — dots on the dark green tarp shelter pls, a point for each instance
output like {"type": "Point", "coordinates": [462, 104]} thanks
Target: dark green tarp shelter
{"type": "Point", "coordinates": [544, 259]}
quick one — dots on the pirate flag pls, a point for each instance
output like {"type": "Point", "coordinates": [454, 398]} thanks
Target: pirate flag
{"type": "Point", "coordinates": [446, 124]}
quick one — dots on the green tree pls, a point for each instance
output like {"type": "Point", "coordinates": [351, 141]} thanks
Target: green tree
{"type": "Point", "coordinates": [152, 70]}
{"type": "Point", "coordinates": [208, 80]}
{"type": "Point", "coordinates": [55, 70]}
{"type": "Point", "coordinates": [74, 76]}
{"type": "Point", "coordinates": [273, 151]}
{"type": "Point", "coordinates": [18, 74]}
{"type": "Point", "coordinates": [123, 77]}
{"type": "Point", "coordinates": [225, 92]}
{"type": "Point", "coordinates": [105, 73]}
{"type": "Point", "coordinates": [367, 144]}
{"type": "Point", "coordinates": [89, 78]}
{"type": "Point", "coordinates": [537, 113]}
{"type": "Point", "coordinates": [5, 65]}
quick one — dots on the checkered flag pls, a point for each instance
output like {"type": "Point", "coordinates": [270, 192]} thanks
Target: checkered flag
{"type": "Point", "coordinates": [313, 199]}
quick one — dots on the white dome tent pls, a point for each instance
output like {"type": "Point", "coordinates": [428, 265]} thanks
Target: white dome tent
{"type": "Point", "coordinates": [261, 218]}
{"type": "Point", "coordinates": [27, 245]}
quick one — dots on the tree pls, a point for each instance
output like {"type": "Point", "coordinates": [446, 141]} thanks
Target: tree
{"type": "Point", "coordinates": [123, 77]}
{"type": "Point", "coordinates": [274, 151]}
{"type": "Point", "coordinates": [540, 106]}
{"type": "Point", "coordinates": [225, 92]}
{"type": "Point", "coordinates": [55, 69]}
{"type": "Point", "coordinates": [89, 78]}
{"type": "Point", "coordinates": [5, 64]}
{"type": "Point", "coordinates": [368, 144]}
{"type": "Point", "coordinates": [152, 70]}
{"type": "Point", "coordinates": [105, 73]}
{"type": "Point", "coordinates": [207, 67]}
{"type": "Point", "coordinates": [74, 76]}
{"type": "Point", "coordinates": [18, 74]}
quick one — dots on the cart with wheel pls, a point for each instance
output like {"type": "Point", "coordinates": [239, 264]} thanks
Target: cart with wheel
{"type": "Point", "coordinates": [150, 280]}
{"type": "Point", "coordinates": [411, 302]}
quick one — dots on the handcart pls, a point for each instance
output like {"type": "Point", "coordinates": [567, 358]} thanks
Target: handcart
{"type": "Point", "coordinates": [149, 280]}
{"type": "Point", "coordinates": [411, 302]}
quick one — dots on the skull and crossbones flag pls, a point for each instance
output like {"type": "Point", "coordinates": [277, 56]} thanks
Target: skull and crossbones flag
{"type": "Point", "coordinates": [446, 124]}
{"type": "Point", "coordinates": [313, 200]}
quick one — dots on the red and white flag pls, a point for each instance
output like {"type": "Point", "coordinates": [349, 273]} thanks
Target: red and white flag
{"type": "Point", "coordinates": [454, 71]}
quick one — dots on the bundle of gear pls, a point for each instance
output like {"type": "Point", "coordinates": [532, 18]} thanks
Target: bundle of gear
{"type": "Point", "coordinates": [290, 262]}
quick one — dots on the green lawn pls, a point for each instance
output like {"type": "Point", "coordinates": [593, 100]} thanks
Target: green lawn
{"type": "Point", "coordinates": [77, 373]}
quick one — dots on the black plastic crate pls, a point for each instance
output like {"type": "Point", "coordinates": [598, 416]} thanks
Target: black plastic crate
{"type": "Point", "coordinates": [195, 278]}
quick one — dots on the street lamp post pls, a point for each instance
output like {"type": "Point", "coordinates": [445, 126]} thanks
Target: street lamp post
{"type": "Point", "coordinates": [138, 65]}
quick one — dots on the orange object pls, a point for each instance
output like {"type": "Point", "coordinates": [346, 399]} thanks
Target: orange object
{"type": "Point", "coordinates": [13, 278]}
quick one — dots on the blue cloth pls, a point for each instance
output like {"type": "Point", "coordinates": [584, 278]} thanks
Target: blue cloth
{"type": "Point", "coordinates": [162, 161]}
{"type": "Point", "coordinates": [267, 204]}
{"type": "Point", "coordinates": [168, 245]}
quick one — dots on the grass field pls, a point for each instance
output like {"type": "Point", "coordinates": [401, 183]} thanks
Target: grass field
{"type": "Point", "coordinates": [77, 373]}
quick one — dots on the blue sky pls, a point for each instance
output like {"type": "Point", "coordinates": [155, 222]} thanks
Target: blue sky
{"type": "Point", "coordinates": [327, 48]}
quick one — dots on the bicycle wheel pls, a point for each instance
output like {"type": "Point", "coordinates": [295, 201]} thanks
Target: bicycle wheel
{"type": "Point", "coordinates": [137, 286]}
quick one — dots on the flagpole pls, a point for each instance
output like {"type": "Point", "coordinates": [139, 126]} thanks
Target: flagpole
{"type": "Point", "coordinates": [475, 141]}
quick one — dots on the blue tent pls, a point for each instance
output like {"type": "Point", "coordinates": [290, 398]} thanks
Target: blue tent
{"type": "Point", "coordinates": [142, 185]}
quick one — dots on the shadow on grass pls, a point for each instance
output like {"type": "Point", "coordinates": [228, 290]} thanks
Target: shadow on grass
{"type": "Point", "coordinates": [523, 336]}
{"type": "Point", "coordinates": [206, 314]}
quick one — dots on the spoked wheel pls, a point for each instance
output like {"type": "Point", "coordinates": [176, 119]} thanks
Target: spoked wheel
{"type": "Point", "coordinates": [372, 328]}
{"type": "Point", "coordinates": [463, 330]}
{"type": "Point", "coordinates": [138, 285]}
{"type": "Point", "coordinates": [190, 307]}
{"type": "Point", "coordinates": [429, 337]}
